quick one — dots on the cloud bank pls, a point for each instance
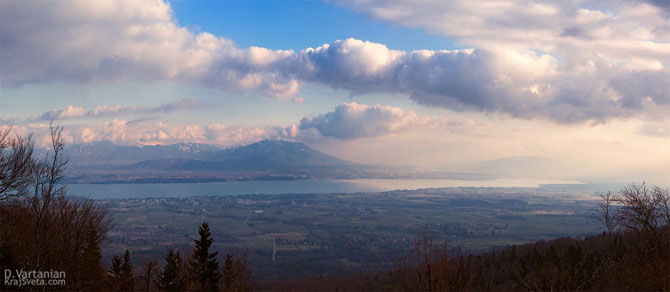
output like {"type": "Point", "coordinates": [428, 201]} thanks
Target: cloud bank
{"type": "Point", "coordinates": [145, 133]}
{"type": "Point", "coordinates": [347, 121]}
{"type": "Point", "coordinates": [72, 111]}
{"type": "Point", "coordinates": [564, 62]}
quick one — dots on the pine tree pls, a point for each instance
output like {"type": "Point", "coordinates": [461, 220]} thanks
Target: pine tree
{"type": "Point", "coordinates": [170, 278]}
{"type": "Point", "coordinates": [91, 273]}
{"type": "Point", "coordinates": [114, 274]}
{"type": "Point", "coordinates": [127, 281]}
{"type": "Point", "coordinates": [204, 267]}
{"type": "Point", "coordinates": [120, 276]}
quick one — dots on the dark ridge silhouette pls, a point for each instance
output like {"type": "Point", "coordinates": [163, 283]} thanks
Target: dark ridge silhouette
{"type": "Point", "coordinates": [266, 155]}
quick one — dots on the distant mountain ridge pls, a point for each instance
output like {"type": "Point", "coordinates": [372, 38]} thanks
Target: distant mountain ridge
{"type": "Point", "coordinates": [266, 155]}
{"type": "Point", "coordinates": [105, 162]}
{"type": "Point", "coordinates": [99, 153]}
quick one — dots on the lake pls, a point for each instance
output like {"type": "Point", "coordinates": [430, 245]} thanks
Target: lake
{"type": "Point", "coordinates": [321, 186]}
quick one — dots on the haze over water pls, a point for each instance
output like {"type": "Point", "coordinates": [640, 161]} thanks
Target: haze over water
{"type": "Point", "coordinates": [319, 186]}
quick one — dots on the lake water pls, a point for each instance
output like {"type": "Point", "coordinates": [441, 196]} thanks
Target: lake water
{"type": "Point", "coordinates": [122, 191]}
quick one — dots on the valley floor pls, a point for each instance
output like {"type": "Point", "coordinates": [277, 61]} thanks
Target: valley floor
{"type": "Point", "coordinates": [310, 235]}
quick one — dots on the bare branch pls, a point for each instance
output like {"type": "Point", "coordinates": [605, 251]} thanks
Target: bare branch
{"type": "Point", "coordinates": [16, 164]}
{"type": "Point", "coordinates": [605, 213]}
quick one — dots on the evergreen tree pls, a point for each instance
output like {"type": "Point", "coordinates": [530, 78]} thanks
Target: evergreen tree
{"type": "Point", "coordinates": [120, 276]}
{"type": "Point", "coordinates": [170, 278]}
{"type": "Point", "coordinates": [204, 268]}
{"type": "Point", "coordinates": [127, 280]}
{"type": "Point", "coordinates": [114, 274]}
{"type": "Point", "coordinates": [91, 272]}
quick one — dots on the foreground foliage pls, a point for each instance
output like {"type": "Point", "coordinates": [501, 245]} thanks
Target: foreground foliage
{"type": "Point", "coordinates": [40, 228]}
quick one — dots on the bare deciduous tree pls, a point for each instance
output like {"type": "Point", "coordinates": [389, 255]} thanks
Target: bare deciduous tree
{"type": "Point", "coordinates": [16, 164]}
{"type": "Point", "coordinates": [148, 275]}
{"type": "Point", "coordinates": [237, 274]}
{"type": "Point", "coordinates": [606, 213]}
{"type": "Point", "coordinates": [662, 199]}
{"type": "Point", "coordinates": [639, 211]}
{"type": "Point", "coordinates": [643, 214]}
{"type": "Point", "coordinates": [42, 228]}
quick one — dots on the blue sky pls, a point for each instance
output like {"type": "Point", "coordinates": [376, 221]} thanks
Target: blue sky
{"type": "Point", "coordinates": [296, 25]}
{"type": "Point", "coordinates": [439, 84]}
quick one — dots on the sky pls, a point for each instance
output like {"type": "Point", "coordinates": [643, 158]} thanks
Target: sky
{"type": "Point", "coordinates": [552, 89]}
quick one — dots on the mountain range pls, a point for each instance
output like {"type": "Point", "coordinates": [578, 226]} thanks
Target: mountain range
{"type": "Point", "coordinates": [266, 155]}
{"type": "Point", "coordinates": [105, 162]}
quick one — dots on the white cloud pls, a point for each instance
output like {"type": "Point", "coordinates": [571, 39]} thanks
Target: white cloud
{"type": "Point", "coordinates": [103, 41]}
{"type": "Point", "coordinates": [353, 120]}
{"type": "Point", "coordinates": [566, 62]}
{"type": "Point", "coordinates": [106, 110]}
{"type": "Point", "coordinates": [570, 55]}
{"type": "Point", "coordinates": [347, 121]}
{"type": "Point", "coordinates": [88, 136]}
{"type": "Point", "coordinates": [578, 30]}
{"type": "Point", "coordinates": [521, 83]}
{"type": "Point", "coordinates": [122, 132]}
{"type": "Point", "coordinates": [115, 130]}
{"type": "Point", "coordinates": [68, 112]}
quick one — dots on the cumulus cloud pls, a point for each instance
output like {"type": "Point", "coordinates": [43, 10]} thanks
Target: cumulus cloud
{"type": "Point", "coordinates": [523, 84]}
{"type": "Point", "coordinates": [146, 133]}
{"type": "Point", "coordinates": [152, 133]}
{"type": "Point", "coordinates": [103, 41]}
{"type": "Point", "coordinates": [105, 110]}
{"type": "Point", "coordinates": [353, 120]}
{"type": "Point", "coordinates": [566, 62]}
